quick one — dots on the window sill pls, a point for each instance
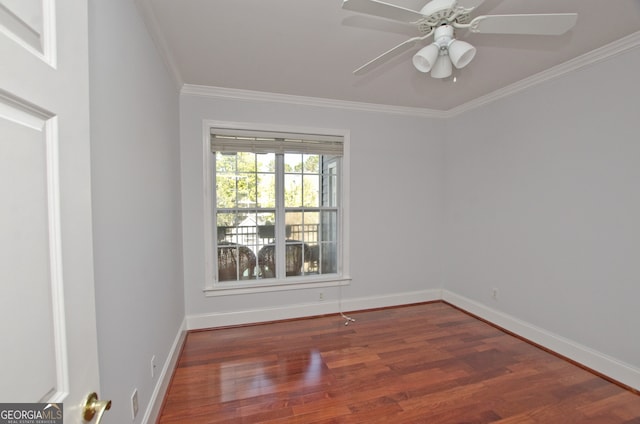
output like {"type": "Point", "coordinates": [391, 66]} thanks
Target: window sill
{"type": "Point", "coordinates": [234, 288]}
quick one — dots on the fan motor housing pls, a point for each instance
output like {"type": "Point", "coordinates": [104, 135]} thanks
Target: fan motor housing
{"type": "Point", "coordinates": [436, 8]}
{"type": "Point", "coordinates": [439, 12]}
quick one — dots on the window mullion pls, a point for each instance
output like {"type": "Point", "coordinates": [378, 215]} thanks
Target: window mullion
{"type": "Point", "coordinates": [280, 230]}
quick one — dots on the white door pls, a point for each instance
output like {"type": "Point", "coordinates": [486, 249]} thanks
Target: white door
{"type": "Point", "coordinates": [47, 305]}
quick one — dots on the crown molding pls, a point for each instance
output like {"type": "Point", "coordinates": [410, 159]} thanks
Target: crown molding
{"type": "Point", "coordinates": [598, 55]}
{"type": "Point", "coordinates": [595, 56]}
{"type": "Point", "coordinates": [260, 96]}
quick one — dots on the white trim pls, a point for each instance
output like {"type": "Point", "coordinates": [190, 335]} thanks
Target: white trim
{"type": "Point", "coordinates": [49, 31]}
{"type": "Point", "coordinates": [597, 361]}
{"type": "Point", "coordinates": [23, 113]}
{"type": "Point", "coordinates": [595, 56]}
{"type": "Point", "coordinates": [164, 378]}
{"type": "Point", "coordinates": [395, 299]}
{"type": "Point", "coordinates": [598, 55]}
{"type": "Point", "coordinates": [260, 96]}
{"type": "Point", "coordinates": [255, 286]}
{"type": "Point", "coordinates": [222, 319]}
{"type": "Point", "coordinates": [55, 258]}
{"type": "Point", "coordinates": [208, 202]}
{"type": "Point", "coordinates": [41, 44]}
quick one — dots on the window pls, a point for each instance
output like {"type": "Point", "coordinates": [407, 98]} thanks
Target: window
{"type": "Point", "coordinates": [276, 210]}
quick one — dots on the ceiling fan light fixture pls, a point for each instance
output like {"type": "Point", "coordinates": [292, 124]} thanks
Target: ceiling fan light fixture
{"type": "Point", "coordinates": [426, 58]}
{"type": "Point", "coordinates": [442, 68]}
{"type": "Point", "coordinates": [461, 53]}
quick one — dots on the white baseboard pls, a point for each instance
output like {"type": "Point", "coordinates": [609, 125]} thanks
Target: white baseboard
{"type": "Point", "coordinates": [599, 362]}
{"type": "Point", "coordinates": [396, 299]}
{"type": "Point", "coordinates": [164, 378]}
{"type": "Point", "coordinates": [583, 355]}
{"type": "Point", "coordinates": [222, 319]}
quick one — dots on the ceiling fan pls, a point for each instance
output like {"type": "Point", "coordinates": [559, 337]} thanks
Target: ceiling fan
{"type": "Point", "coordinates": [441, 18]}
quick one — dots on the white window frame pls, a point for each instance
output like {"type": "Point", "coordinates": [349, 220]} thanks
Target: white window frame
{"type": "Point", "coordinates": [214, 288]}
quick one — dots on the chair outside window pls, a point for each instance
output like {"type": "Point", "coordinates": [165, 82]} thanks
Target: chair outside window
{"type": "Point", "coordinates": [235, 262]}
{"type": "Point", "coordinates": [296, 254]}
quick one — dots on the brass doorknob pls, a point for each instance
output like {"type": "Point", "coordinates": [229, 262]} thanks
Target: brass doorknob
{"type": "Point", "coordinates": [92, 406]}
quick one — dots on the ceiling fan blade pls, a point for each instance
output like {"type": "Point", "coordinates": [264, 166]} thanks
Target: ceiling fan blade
{"type": "Point", "coordinates": [402, 47]}
{"type": "Point", "coordinates": [536, 24]}
{"type": "Point", "coordinates": [383, 10]}
{"type": "Point", "coordinates": [470, 4]}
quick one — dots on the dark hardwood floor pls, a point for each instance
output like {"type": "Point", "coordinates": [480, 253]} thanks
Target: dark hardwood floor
{"type": "Point", "coordinates": [427, 363]}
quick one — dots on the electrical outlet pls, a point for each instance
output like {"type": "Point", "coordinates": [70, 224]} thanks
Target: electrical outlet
{"type": "Point", "coordinates": [153, 366]}
{"type": "Point", "coordinates": [494, 293]}
{"type": "Point", "coordinates": [134, 404]}
{"type": "Point", "coordinates": [321, 296]}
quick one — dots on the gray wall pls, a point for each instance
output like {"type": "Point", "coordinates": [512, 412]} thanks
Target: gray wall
{"type": "Point", "coordinates": [136, 205]}
{"type": "Point", "coordinates": [543, 203]}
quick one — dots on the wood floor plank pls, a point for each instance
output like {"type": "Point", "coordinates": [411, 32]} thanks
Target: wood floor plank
{"type": "Point", "coordinates": [427, 363]}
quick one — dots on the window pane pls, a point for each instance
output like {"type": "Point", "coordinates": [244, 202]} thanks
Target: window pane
{"type": "Point", "coordinates": [292, 191]}
{"type": "Point", "coordinates": [235, 180]}
{"type": "Point", "coordinates": [302, 236]}
{"type": "Point", "coordinates": [231, 227]}
{"type": "Point", "coordinates": [267, 233]}
{"type": "Point", "coordinates": [296, 256]}
{"type": "Point", "coordinates": [226, 163]}
{"type": "Point", "coordinates": [311, 191]}
{"type": "Point", "coordinates": [328, 261]}
{"type": "Point", "coordinates": [330, 192]}
{"type": "Point", "coordinates": [267, 248]}
{"type": "Point", "coordinates": [226, 191]}
{"type": "Point", "coordinates": [330, 181]}
{"type": "Point", "coordinates": [225, 221]}
{"type": "Point", "coordinates": [246, 194]}
{"type": "Point", "coordinates": [311, 265]}
{"type": "Point", "coordinates": [293, 222]}
{"type": "Point", "coordinates": [329, 226]}
{"type": "Point", "coordinates": [266, 196]}
{"type": "Point", "coordinates": [293, 163]}
{"type": "Point", "coordinates": [267, 261]}
{"type": "Point", "coordinates": [246, 162]}
{"type": "Point", "coordinates": [302, 226]}
{"type": "Point", "coordinates": [311, 164]}
{"type": "Point", "coordinates": [235, 262]}
{"type": "Point", "coordinates": [266, 162]}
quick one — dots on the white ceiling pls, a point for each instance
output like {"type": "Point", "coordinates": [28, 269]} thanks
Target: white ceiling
{"type": "Point", "coordinates": [310, 48]}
